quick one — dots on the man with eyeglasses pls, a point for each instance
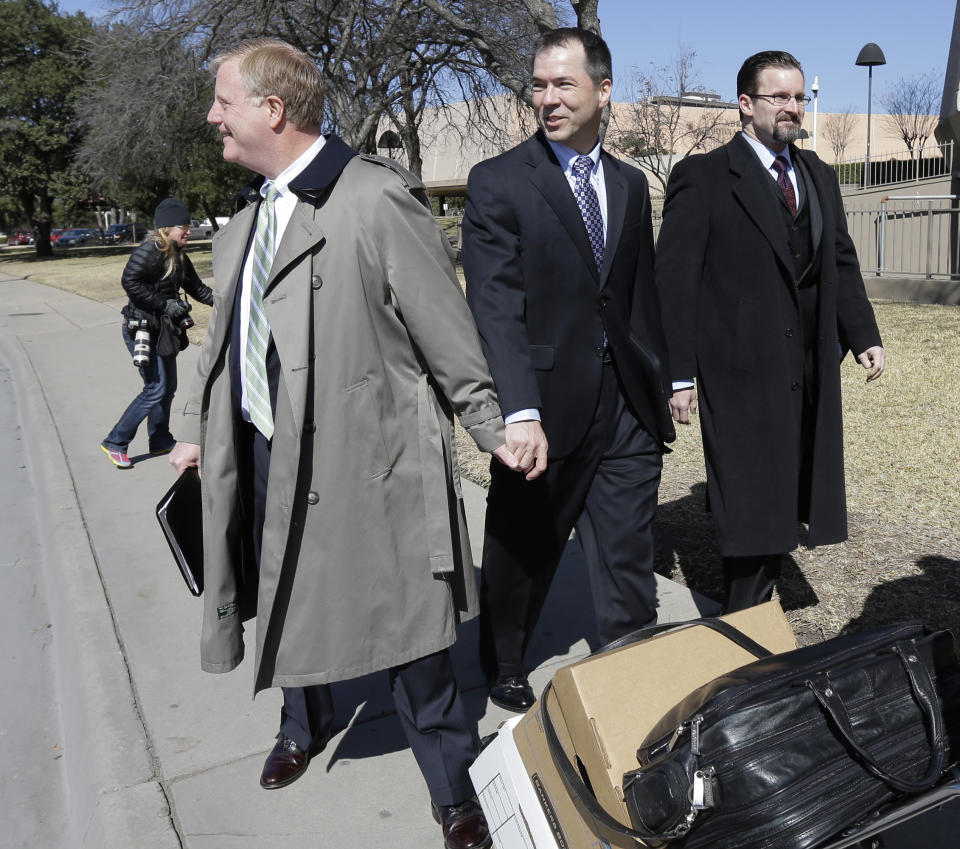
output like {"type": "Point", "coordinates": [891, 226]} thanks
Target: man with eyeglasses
{"type": "Point", "coordinates": [762, 296]}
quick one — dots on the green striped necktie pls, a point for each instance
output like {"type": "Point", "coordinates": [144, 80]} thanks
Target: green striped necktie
{"type": "Point", "coordinates": [258, 331]}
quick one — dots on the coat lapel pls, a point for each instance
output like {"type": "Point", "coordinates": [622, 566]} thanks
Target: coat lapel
{"type": "Point", "coordinates": [757, 200]}
{"type": "Point", "coordinates": [616, 188]}
{"type": "Point", "coordinates": [814, 193]}
{"type": "Point", "coordinates": [548, 178]}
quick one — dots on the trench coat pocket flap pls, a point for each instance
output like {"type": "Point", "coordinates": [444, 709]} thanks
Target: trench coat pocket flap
{"type": "Point", "coordinates": [542, 356]}
{"type": "Point", "coordinates": [435, 472]}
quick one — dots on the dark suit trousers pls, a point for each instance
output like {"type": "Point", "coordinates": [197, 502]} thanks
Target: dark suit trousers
{"type": "Point", "coordinates": [608, 489]}
{"type": "Point", "coordinates": [425, 693]}
{"type": "Point", "coordinates": [750, 580]}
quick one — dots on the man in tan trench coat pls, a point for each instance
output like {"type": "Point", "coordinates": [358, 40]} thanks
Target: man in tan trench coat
{"type": "Point", "coordinates": [334, 480]}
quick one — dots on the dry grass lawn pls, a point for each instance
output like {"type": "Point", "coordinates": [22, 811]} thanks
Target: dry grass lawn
{"type": "Point", "coordinates": [902, 442]}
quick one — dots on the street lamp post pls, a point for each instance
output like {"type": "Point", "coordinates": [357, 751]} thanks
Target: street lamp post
{"type": "Point", "coordinates": [815, 88]}
{"type": "Point", "coordinates": [869, 56]}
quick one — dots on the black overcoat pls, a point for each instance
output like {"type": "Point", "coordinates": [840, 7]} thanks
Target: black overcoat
{"type": "Point", "coordinates": [732, 318]}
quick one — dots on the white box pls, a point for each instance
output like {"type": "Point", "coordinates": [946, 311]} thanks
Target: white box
{"type": "Point", "coordinates": [514, 815]}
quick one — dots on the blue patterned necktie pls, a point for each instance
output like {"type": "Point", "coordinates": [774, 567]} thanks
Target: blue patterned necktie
{"type": "Point", "coordinates": [589, 205]}
{"type": "Point", "coordinates": [258, 330]}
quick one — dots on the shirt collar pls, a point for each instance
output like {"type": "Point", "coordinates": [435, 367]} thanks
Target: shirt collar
{"type": "Point", "coordinates": [292, 171]}
{"type": "Point", "coordinates": [566, 156]}
{"type": "Point", "coordinates": [766, 155]}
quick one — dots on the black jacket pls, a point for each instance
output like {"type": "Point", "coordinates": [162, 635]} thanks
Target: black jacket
{"type": "Point", "coordinates": [149, 287]}
{"type": "Point", "coordinates": [540, 304]}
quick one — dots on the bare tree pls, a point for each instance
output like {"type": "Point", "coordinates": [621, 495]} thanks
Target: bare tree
{"type": "Point", "coordinates": [913, 107]}
{"type": "Point", "coordinates": [502, 34]}
{"type": "Point", "coordinates": [381, 59]}
{"type": "Point", "coordinates": [838, 129]}
{"type": "Point", "coordinates": [144, 132]}
{"type": "Point", "coordinates": [667, 116]}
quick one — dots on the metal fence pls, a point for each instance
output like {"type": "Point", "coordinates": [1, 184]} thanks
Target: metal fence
{"type": "Point", "coordinates": [905, 236]}
{"type": "Point", "coordinates": [908, 236]}
{"type": "Point", "coordinates": [899, 167]}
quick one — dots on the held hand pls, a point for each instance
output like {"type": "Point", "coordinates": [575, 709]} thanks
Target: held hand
{"type": "Point", "coordinates": [185, 455]}
{"type": "Point", "coordinates": [504, 456]}
{"type": "Point", "coordinates": [683, 404]}
{"type": "Point", "coordinates": [874, 360]}
{"type": "Point", "coordinates": [528, 444]}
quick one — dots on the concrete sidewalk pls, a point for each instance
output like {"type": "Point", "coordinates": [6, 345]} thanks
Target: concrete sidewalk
{"type": "Point", "coordinates": [155, 753]}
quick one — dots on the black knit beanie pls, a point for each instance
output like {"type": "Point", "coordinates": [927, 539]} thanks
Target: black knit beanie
{"type": "Point", "coordinates": [171, 213]}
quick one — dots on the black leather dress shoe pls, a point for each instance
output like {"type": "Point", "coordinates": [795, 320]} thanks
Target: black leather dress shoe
{"type": "Point", "coordinates": [287, 761]}
{"type": "Point", "coordinates": [512, 693]}
{"type": "Point", "coordinates": [464, 825]}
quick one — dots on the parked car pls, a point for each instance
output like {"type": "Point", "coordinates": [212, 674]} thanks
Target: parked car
{"type": "Point", "coordinates": [204, 229]}
{"type": "Point", "coordinates": [56, 234]}
{"type": "Point", "coordinates": [129, 231]}
{"type": "Point", "coordinates": [20, 237]}
{"type": "Point", "coordinates": [79, 236]}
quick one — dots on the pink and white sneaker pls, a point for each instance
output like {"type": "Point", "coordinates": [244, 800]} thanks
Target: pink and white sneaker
{"type": "Point", "coordinates": [118, 458]}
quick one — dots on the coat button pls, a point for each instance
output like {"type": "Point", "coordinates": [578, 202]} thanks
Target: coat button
{"type": "Point", "coordinates": [599, 351]}
{"type": "Point", "coordinates": [603, 302]}
{"type": "Point", "coordinates": [788, 332]}
{"type": "Point", "coordinates": [313, 498]}
{"type": "Point", "coordinates": [795, 386]}
{"type": "Point", "coordinates": [316, 281]}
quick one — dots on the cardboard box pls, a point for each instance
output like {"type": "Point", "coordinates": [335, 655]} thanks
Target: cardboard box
{"type": "Point", "coordinates": [602, 708]}
{"type": "Point", "coordinates": [610, 703]}
{"type": "Point", "coordinates": [569, 827]}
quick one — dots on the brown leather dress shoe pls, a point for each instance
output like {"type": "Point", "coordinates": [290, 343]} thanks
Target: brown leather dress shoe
{"type": "Point", "coordinates": [464, 825]}
{"type": "Point", "coordinates": [512, 693]}
{"type": "Point", "coordinates": [287, 762]}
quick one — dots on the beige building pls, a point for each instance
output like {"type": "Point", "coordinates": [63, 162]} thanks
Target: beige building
{"type": "Point", "coordinates": [456, 137]}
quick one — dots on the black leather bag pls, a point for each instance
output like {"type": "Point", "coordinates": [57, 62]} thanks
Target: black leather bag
{"type": "Point", "coordinates": [790, 750]}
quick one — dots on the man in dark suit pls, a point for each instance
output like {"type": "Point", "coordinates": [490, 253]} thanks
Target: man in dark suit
{"type": "Point", "coordinates": [558, 257]}
{"type": "Point", "coordinates": [762, 296]}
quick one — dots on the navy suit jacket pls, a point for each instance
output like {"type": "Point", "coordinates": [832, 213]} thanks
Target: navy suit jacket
{"type": "Point", "coordinates": [540, 303]}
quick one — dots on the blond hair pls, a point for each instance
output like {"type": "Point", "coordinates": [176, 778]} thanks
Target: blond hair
{"type": "Point", "coordinates": [168, 247]}
{"type": "Point", "coordinates": [269, 66]}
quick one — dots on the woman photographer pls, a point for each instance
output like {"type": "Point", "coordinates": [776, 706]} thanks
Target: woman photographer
{"type": "Point", "coordinates": [153, 277]}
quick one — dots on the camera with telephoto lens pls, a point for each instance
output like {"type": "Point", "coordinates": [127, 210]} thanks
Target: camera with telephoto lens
{"type": "Point", "coordinates": [141, 341]}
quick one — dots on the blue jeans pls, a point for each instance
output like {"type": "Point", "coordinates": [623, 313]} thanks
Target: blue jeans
{"type": "Point", "coordinates": [153, 403]}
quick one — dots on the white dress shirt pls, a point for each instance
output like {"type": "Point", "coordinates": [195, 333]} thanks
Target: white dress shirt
{"type": "Point", "coordinates": [283, 208]}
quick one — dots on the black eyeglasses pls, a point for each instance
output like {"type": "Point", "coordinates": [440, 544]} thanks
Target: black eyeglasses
{"type": "Point", "coordinates": [784, 99]}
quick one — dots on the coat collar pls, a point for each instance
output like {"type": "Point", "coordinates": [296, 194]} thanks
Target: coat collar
{"type": "Point", "coordinates": [319, 175]}
{"type": "Point", "coordinates": [548, 177]}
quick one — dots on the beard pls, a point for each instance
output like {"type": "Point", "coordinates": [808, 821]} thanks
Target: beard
{"type": "Point", "coordinates": [786, 131]}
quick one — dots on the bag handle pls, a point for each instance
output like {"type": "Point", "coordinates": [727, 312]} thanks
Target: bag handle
{"type": "Point", "coordinates": [571, 778]}
{"type": "Point", "coordinates": [725, 628]}
{"type": "Point", "coordinates": [925, 695]}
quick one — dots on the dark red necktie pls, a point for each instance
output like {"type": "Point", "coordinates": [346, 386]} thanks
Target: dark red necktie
{"type": "Point", "coordinates": [783, 181]}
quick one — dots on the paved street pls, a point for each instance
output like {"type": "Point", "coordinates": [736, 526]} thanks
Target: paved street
{"type": "Point", "coordinates": [33, 791]}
